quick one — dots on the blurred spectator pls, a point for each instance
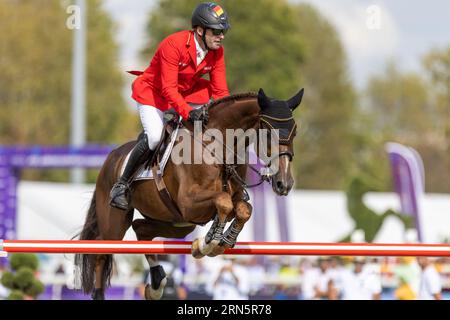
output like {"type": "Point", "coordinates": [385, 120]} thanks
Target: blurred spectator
{"type": "Point", "coordinates": [242, 271]}
{"type": "Point", "coordinates": [404, 290]}
{"type": "Point", "coordinates": [336, 271]}
{"type": "Point", "coordinates": [430, 282]}
{"type": "Point", "coordinates": [408, 274]}
{"type": "Point", "coordinates": [256, 272]}
{"type": "Point", "coordinates": [305, 264]}
{"type": "Point", "coordinates": [385, 266]}
{"type": "Point", "coordinates": [60, 269]}
{"type": "Point", "coordinates": [318, 283]}
{"type": "Point", "coordinates": [439, 265]}
{"type": "Point", "coordinates": [361, 283]}
{"type": "Point", "coordinates": [280, 292]}
{"type": "Point", "coordinates": [272, 265]}
{"type": "Point", "coordinates": [197, 274]}
{"type": "Point", "coordinates": [286, 269]}
{"type": "Point", "coordinates": [445, 265]}
{"type": "Point", "coordinates": [231, 282]}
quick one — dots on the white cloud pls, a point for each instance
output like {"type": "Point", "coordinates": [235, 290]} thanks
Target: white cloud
{"type": "Point", "coordinates": [131, 17]}
{"type": "Point", "coordinates": [351, 23]}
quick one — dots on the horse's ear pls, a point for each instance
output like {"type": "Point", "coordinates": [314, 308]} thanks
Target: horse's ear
{"type": "Point", "coordinates": [263, 100]}
{"type": "Point", "coordinates": [295, 101]}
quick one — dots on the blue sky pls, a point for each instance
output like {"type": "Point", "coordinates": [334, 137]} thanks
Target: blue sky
{"type": "Point", "coordinates": [407, 30]}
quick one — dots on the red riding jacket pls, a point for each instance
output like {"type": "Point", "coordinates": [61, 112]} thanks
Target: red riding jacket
{"type": "Point", "coordinates": [173, 78]}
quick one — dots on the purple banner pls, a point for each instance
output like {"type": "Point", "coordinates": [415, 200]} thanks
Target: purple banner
{"type": "Point", "coordinates": [409, 177]}
{"type": "Point", "coordinates": [15, 158]}
{"type": "Point", "coordinates": [57, 157]}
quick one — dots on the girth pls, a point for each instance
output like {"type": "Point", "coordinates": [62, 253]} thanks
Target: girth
{"type": "Point", "coordinates": [164, 193]}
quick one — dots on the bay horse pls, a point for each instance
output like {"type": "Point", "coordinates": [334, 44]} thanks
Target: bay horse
{"type": "Point", "coordinates": [202, 192]}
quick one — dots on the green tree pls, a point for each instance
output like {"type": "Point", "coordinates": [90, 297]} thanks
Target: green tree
{"type": "Point", "coordinates": [325, 145]}
{"type": "Point", "coordinates": [109, 120]}
{"type": "Point", "coordinates": [406, 108]}
{"type": "Point", "coordinates": [399, 104]}
{"type": "Point", "coordinates": [35, 86]}
{"type": "Point", "coordinates": [437, 66]}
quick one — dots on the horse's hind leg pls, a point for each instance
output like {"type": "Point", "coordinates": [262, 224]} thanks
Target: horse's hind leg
{"type": "Point", "coordinates": [147, 230]}
{"type": "Point", "coordinates": [204, 246]}
{"type": "Point", "coordinates": [154, 288]}
{"type": "Point", "coordinates": [243, 211]}
{"type": "Point", "coordinates": [99, 291]}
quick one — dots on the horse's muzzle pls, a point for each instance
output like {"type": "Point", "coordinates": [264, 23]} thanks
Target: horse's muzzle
{"type": "Point", "coordinates": [281, 187]}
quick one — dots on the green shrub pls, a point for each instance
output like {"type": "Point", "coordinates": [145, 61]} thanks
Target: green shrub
{"type": "Point", "coordinates": [23, 278]}
{"type": "Point", "coordinates": [29, 260]}
{"type": "Point", "coordinates": [16, 295]}
{"type": "Point", "coordinates": [36, 288]}
{"type": "Point", "coordinates": [7, 280]}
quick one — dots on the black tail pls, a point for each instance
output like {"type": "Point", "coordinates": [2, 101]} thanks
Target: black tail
{"type": "Point", "coordinates": [85, 263]}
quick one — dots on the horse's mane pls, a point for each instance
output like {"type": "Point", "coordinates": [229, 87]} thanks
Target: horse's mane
{"type": "Point", "coordinates": [233, 97]}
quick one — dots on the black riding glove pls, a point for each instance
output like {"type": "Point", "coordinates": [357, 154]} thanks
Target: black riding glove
{"type": "Point", "coordinates": [200, 114]}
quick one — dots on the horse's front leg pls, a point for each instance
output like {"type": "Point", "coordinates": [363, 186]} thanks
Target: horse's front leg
{"type": "Point", "coordinates": [243, 211]}
{"type": "Point", "coordinates": [204, 246]}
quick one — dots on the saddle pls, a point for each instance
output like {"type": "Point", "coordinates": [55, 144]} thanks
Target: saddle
{"type": "Point", "coordinates": [172, 122]}
{"type": "Point", "coordinates": [161, 155]}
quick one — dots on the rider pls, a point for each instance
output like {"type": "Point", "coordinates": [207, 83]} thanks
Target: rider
{"type": "Point", "coordinates": [173, 80]}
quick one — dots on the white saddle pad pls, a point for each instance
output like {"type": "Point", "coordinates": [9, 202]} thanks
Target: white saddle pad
{"type": "Point", "coordinates": [147, 174]}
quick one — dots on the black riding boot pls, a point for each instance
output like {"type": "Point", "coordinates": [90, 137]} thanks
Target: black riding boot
{"type": "Point", "coordinates": [119, 196]}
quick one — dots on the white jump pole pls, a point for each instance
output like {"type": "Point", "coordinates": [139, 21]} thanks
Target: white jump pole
{"type": "Point", "coordinates": [241, 248]}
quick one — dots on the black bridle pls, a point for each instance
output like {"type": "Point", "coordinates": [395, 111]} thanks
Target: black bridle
{"type": "Point", "coordinates": [230, 170]}
{"type": "Point", "coordinates": [267, 175]}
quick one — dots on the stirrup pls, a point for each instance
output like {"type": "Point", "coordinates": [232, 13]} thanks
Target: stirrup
{"type": "Point", "coordinates": [119, 196]}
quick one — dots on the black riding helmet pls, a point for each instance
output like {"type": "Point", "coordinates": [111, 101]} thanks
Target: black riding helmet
{"type": "Point", "coordinates": [210, 15]}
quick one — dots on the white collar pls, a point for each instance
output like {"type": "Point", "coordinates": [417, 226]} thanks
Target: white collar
{"type": "Point", "coordinates": [201, 54]}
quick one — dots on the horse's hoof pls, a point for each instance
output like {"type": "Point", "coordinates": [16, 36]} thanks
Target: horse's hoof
{"type": "Point", "coordinates": [217, 251]}
{"type": "Point", "coordinates": [210, 247]}
{"type": "Point", "coordinates": [195, 249]}
{"type": "Point", "coordinates": [98, 294]}
{"type": "Point", "coordinates": [201, 249]}
{"type": "Point", "coordinates": [151, 294]}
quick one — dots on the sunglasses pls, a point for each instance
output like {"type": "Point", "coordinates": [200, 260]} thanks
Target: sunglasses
{"type": "Point", "coordinates": [217, 32]}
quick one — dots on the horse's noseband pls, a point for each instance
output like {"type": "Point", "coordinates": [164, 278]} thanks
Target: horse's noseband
{"type": "Point", "coordinates": [287, 153]}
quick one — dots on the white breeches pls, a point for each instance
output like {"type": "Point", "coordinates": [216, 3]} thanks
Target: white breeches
{"type": "Point", "coordinates": [152, 122]}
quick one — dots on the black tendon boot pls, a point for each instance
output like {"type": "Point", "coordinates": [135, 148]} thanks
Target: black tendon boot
{"type": "Point", "coordinates": [120, 192]}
